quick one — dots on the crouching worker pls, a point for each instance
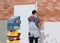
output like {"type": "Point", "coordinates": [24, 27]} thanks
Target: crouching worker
{"type": "Point", "coordinates": [34, 27]}
{"type": "Point", "coordinates": [13, 25]}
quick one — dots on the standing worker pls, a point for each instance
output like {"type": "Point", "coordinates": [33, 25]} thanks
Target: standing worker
{"type": "Point", "coordinates": [34, 24]}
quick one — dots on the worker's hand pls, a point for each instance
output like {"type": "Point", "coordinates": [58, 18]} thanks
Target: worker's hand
{"type": "Point", "coordinates": [17, 22]}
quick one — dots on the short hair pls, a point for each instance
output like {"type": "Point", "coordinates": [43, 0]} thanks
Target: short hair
{"type": "Point", "coordinates": [34, 11]}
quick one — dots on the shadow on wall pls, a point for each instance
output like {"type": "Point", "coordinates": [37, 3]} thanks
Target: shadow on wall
{"type": "Point", "coordinates": [42, 33]}
{"type": "Point", "coordinates": [49, 32]}
{"type": "Point", "coordinates": [43, 36]}
{"type": "Point", "coordinates": [3, 31]}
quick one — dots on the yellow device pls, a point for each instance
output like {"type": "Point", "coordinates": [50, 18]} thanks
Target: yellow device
{"type": "Point", "coordinates": [13, 33]}
{"type": "Point", "coordinates": [15, 41]}
{"type": "Point", "coordinates": [13, 37]}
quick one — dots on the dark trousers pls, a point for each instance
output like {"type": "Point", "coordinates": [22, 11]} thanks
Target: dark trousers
{"type": "Point", "coordinates": [32, 38]}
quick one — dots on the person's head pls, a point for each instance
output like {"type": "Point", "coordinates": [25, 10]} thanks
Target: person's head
{"type": "Point", "coordinates": [34, 12]}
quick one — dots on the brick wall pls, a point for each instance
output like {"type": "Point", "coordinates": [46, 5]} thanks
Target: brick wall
{"type": "Point", "coordinates": [48, 10]}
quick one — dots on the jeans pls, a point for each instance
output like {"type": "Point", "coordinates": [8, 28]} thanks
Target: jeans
{"type": "Point", "coordinates": [31, 39]}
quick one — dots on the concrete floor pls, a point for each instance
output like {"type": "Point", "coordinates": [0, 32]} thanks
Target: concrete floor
{"type": "Point", "coordinates": [3, 32]}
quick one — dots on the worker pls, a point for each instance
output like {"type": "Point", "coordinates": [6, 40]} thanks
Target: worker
{"type": "Point", "coordinates": [34, 22]}
{"type": "Point", "coordinates": [13, 24]}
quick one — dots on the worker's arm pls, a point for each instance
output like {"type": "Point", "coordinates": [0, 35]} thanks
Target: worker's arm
{"type": "Point", "coordinates": [41, 22]}
{"type": "Point", "coordinates": [38, 25]}
{"type": "Point", "coordinates": [38, 22]}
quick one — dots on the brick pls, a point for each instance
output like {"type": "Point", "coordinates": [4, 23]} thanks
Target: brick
{"type": "Point", "coordinates": [48, 10]}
